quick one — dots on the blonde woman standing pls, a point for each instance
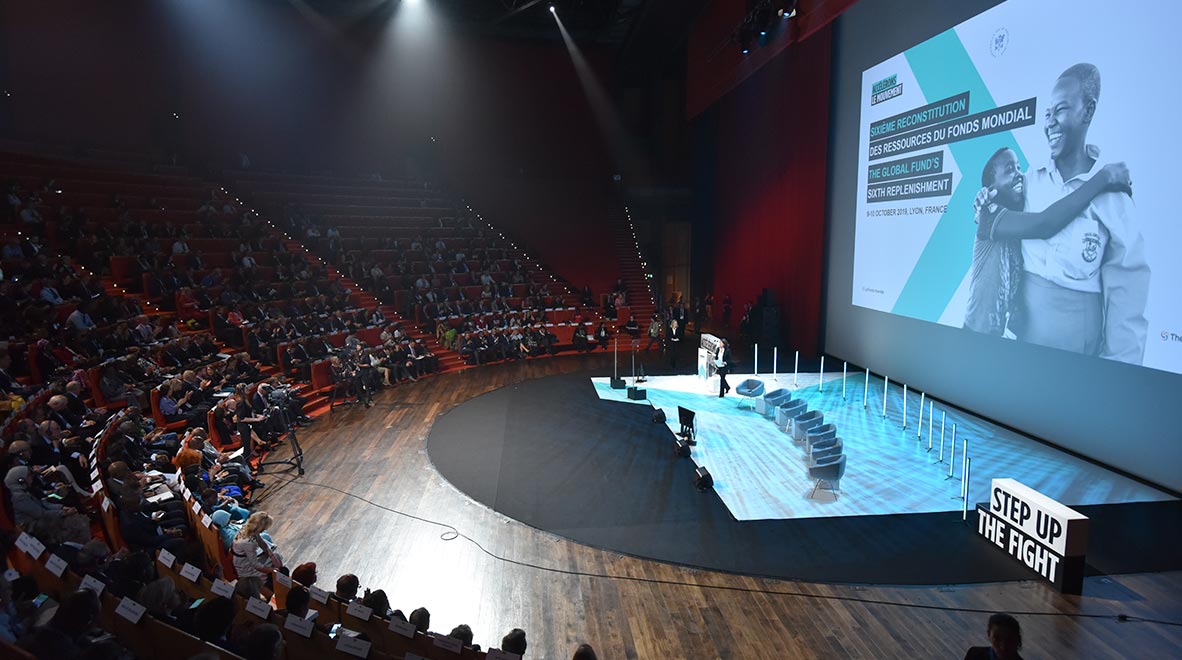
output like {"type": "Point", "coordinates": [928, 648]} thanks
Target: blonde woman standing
{"type": "Point", "coordinates": [255, 559]}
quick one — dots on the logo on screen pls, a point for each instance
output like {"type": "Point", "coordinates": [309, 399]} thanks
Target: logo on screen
{"type": "Point", "coordinates": [1166, 335]}
{"type": "Point", "coordinates": [999, 42]}
{"type": "Point", "coordinates": [886, 89]}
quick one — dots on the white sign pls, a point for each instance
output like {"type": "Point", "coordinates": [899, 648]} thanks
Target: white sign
{"type": "Point", "coordinates": [56, 565]}
{"type": "Point", "coordinates": [29, 545]}
{"type": "Point", "coordinates": [360, 611]}
{"type": "Point", "coordinates": [167, 558]}
{"type": "Point", "coordinates": [190, 572]}
{"type": "Point", "coordinates": [299, 625]}
{"type": "Point", "coordinates": [258, 607]}
{"type": "Point", "coordinates": [206, 521]}
{"type": "Point", "coordinates": [196, 507]}
{"type": "Point", "coordinates": [319, 595]}
{"type": "Point", "coordinates": [281, 579]}
{"type": "Point", "coordinates": [94, 584]}
{"type": "Point", "coordinates": [353, 646]}
{"type": "Point", "coordinates": [130, 610]}
{"type": "Point", "coordinates": [1049, 538]}
{"type": "Point", "coordinates": [1037, 516]}
{"type": "Point", "coordinates": [222, 588]}
{"type": "Point", "coordinates": [404, 628]}
{"type": "Point", "coordinates": [448, 643]}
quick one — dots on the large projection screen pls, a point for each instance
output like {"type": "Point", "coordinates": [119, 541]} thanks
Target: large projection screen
{"type": "Point", "coordinates": [1069, 326]}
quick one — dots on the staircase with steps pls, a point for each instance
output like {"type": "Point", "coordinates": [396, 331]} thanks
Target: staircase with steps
{"type": "Point", "coordinates": [449, 360]}
{"type": "Point", "coordinates": [633, 269]}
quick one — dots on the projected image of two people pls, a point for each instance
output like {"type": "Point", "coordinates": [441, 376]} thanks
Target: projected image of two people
{"type": "Point", "coordinates": [1058, 258]}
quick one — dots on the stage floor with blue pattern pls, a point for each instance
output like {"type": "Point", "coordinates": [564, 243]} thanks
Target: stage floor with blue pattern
{"type": "Point", "coordinates": [761, 474]}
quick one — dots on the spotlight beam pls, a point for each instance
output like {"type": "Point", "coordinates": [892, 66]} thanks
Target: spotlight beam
{"type": "Point", "coordinates": [510, 14]}
{"type": "Point", "coordinates": [626, 157]}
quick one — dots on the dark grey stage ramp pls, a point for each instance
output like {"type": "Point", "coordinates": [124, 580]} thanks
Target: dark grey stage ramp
{"type": "Point", "coordinates": [551, 454]}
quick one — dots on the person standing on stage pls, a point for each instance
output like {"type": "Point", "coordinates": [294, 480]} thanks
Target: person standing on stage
{"type": "Point", "coordinates": [724, 364]}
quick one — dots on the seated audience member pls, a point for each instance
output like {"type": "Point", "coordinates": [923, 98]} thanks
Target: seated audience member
{"type": "Point", "coordinates": [70, 632]}
{"type": "Point", "coordinates": [421, 618]}
{"type": "Point", "coordinates": [144, 531]}
{"type": "Point", "coordinates": [1005, 640]}
{"type": "Point", "coordinates": [514, 642]}
{"type": "Point", "coordinates": [463, 632]}
{"type": "Point", "coordinates": [263, 642]}
{"type": "Point", "coordinates": [378, 602]}
{"type": "Point", "coordinates": [298, 601]}
{"type": "Point", "coordinates": [584, 652]}
{"type": "Point", "coordinates": [347, 586]}
{"type": "Point", "coordinates": [50, 522]}
{"type": "Point", "coordinates": [305, 573]}
{"type": "Point", "coordinates": [212, 621]}
{"type": "Point", "coordinates": [162, 599]}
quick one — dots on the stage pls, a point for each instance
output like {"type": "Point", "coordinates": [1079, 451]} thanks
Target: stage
{"type": "Point", "coordinates": [571, 456]}
{"type": "Point", "coordinates": [761, 474]}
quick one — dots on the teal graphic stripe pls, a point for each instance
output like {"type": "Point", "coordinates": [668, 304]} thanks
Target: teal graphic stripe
{"type": "Point", "coordinates": [943, 68]}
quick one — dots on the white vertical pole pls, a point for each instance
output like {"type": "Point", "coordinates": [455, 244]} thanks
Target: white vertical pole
{"type": "Point", "coordinates": [964, 512]}
{"type": "Point", "coordinates": [929, 424]}
{"type": "Point", "coordinates": [757, 359]}
{"type": "Point", "coordinates": [843, 368]}
{"type": "Point", "coordinates": [964, 456]}
{"type": "Point", "coordinates": [904, 405]}
{"type": "Point", "coordinates": [886, 382]}
{"type": "Point", "coordinates": [865, 389]}
{"type": "Point", "coordinates": [943, 418]}
{"type": "Point", "coordinates": [775, 360]}
{"type": "Point", "coordinates": [795, 368]}
{"type": "Point", "coordinates": [919, 426]}
{"type": "Point", "coordinates": [952, 456]}
{"type": "Point", "coordinates": [941, 458]}
{"type": "Point", "coordinates": [821, 376]}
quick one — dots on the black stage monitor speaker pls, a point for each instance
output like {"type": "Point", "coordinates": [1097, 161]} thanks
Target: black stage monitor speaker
{"type": "Point", "coordinates": [618, 383]}
{"type": "Point", "coordinates": [682, 447]}
{"type": "Point", "coordinates": [658, 416]}
{"type": "Point", "coordinates": [637, 393]}
{"type": "Point", "coordinates": [702, 479]}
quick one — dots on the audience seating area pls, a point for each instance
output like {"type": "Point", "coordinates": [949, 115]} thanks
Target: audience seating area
{"type": "Point", "coordinates": [431, 260]}
{"type": "Point", "coordinates": [151, 318]}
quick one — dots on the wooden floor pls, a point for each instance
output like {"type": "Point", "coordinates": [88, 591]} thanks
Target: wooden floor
{"type": "Point", "coordinates": [634, 608]}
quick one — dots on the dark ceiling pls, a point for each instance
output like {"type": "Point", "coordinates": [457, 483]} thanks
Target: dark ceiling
{"type": "Point", "coordinates": [644, 36]}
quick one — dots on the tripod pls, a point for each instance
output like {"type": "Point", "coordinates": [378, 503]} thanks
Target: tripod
{"type": "Point", "coordinates": [297, 453]}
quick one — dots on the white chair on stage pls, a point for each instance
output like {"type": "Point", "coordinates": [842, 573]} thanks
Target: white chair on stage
{"type": "Point", "coordinates": [772, 400]}
{"type": "Point", "coordinates": [750, 390]}
{"type": "Point", "coordinates": [817, 434]}
{"type": "Point", "coordinates": [805, 423]}
{"type": "Point", "coordinates": [788, 412]}
{"type": "Point", "coordinates": [829, 472]}
{"type": "Point", "coordinates": [825, 450]}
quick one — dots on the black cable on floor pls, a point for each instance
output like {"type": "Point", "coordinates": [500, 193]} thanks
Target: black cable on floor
{"type": "Point", "coordinates": [451, 533]}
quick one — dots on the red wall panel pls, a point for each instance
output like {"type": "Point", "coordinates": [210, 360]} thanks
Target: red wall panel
{"type": "Point", "coordinates": [770, 188]}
